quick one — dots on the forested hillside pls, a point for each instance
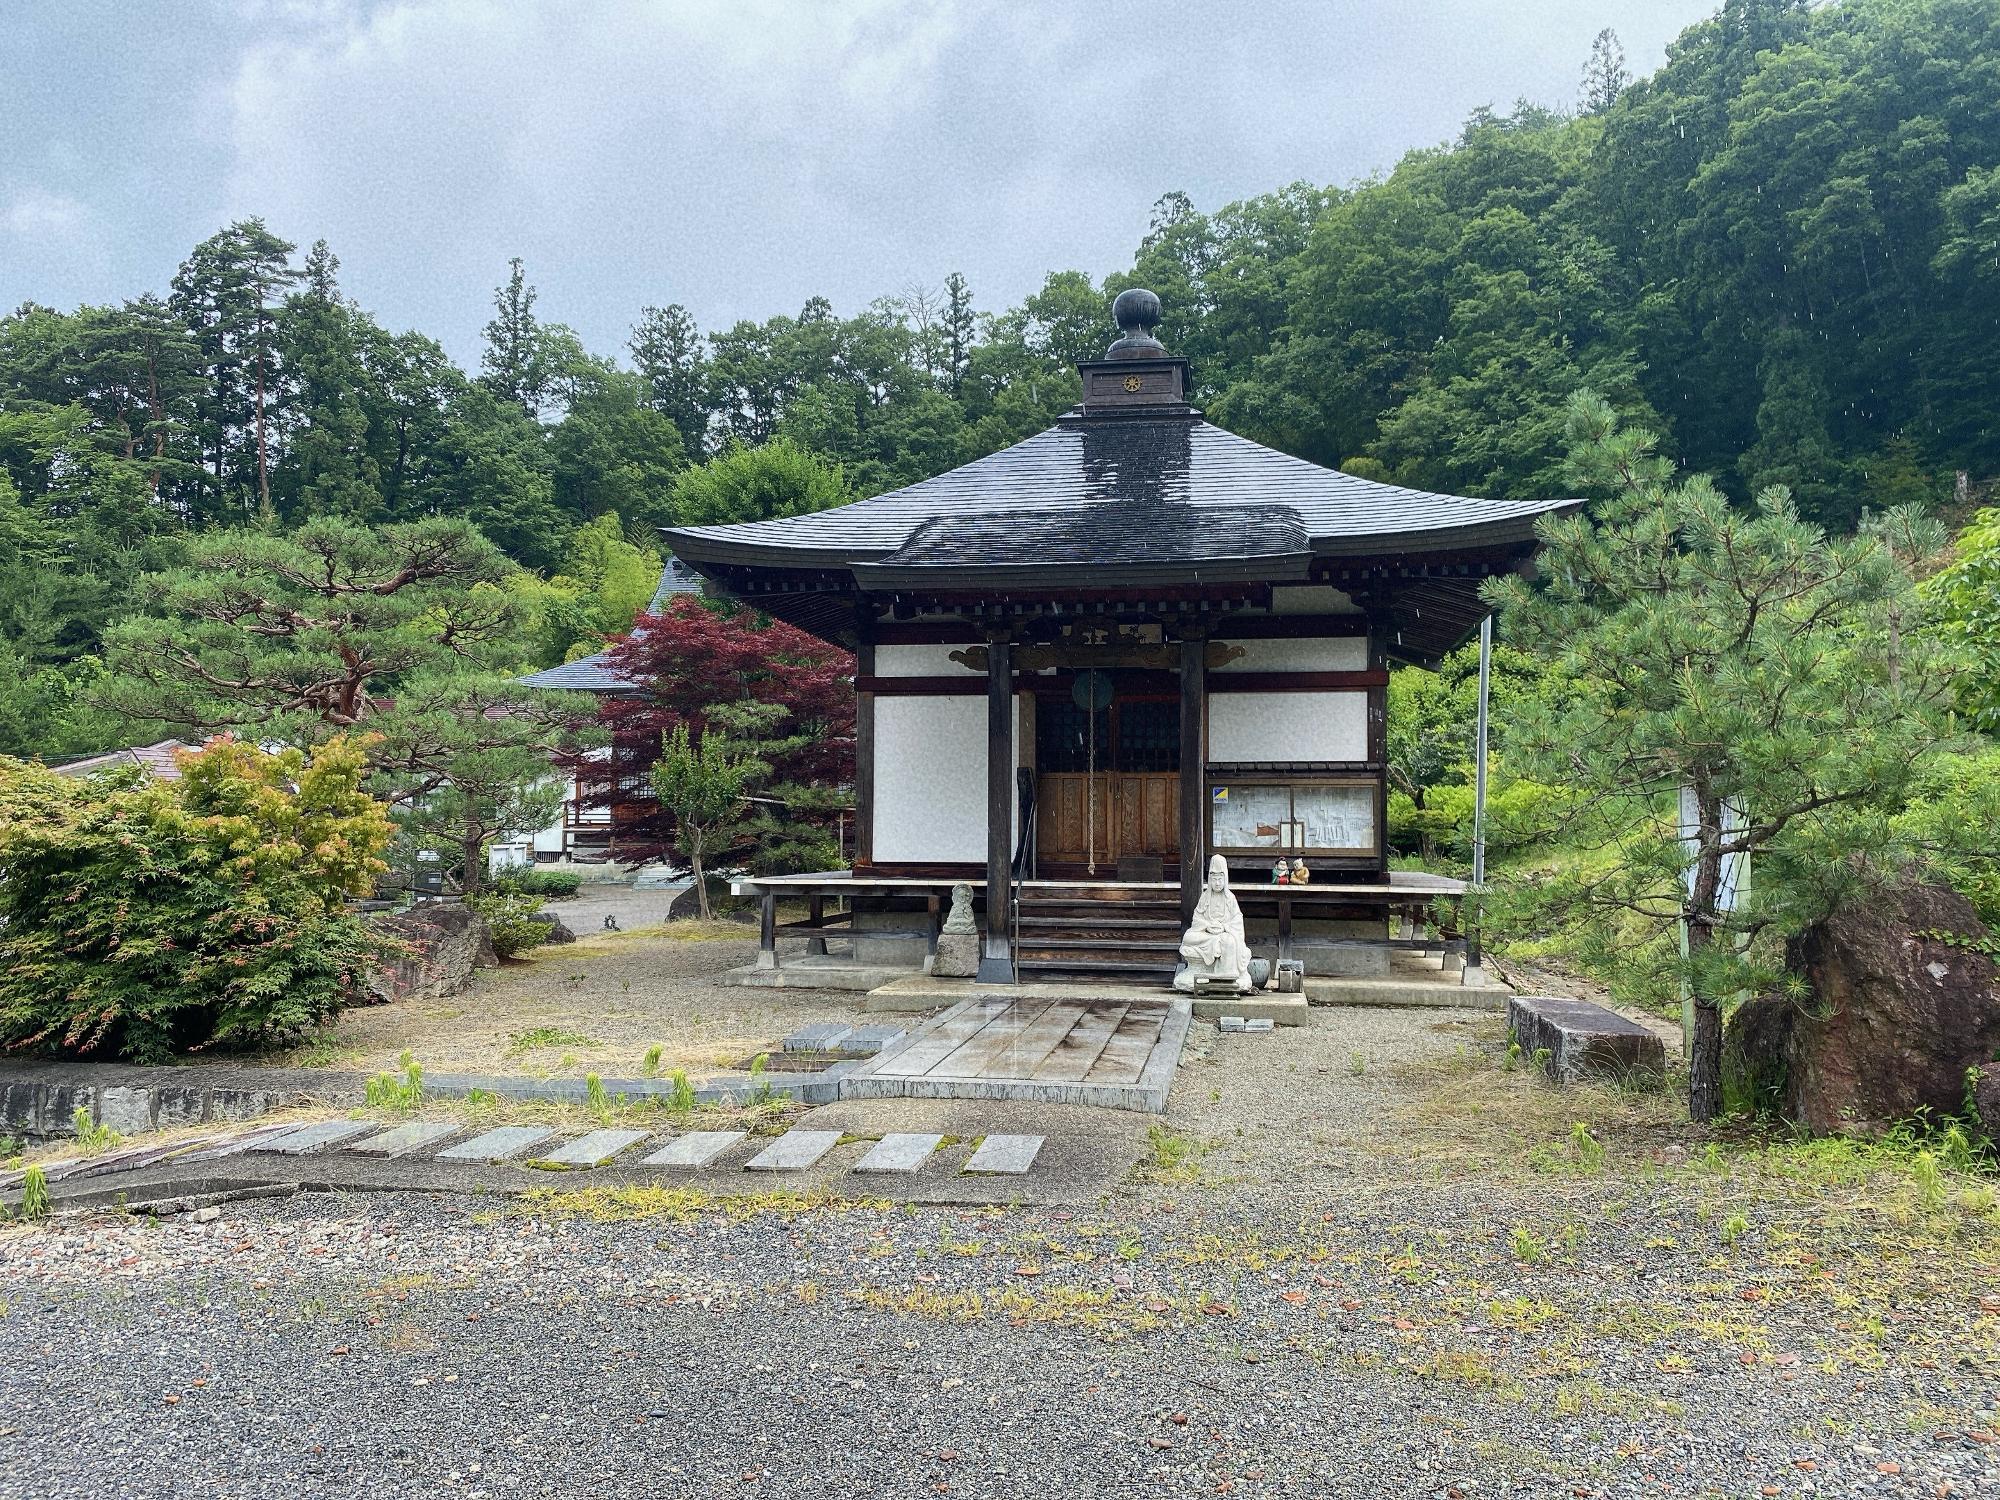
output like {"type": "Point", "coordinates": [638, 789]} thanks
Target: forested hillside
{"type": "Point", "coordinates": [1782, 251]}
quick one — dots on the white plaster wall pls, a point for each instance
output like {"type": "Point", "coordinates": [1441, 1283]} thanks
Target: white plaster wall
{"type": "Point", "coordinates": [1287, 726]}
{"type": "Point", "coordinates": [930, 777]}
{"type": "Point", "coordinates": [919, 661]}
{"type": "Point", "coordinates": [1331, 654]}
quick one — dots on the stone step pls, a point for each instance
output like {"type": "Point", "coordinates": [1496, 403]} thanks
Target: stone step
{"type": "Point", "coordinates": [1005, 1155]}
{"type": "Point", "coordinates": [900, 1152]}
{"type": "Point", "coordinates": [793, 1151]}
{"type": "Point", "coordinates": [316, 1137]}
{"type": "Point", "coordinates": [402, 1140]}
{"type": "Point", "coordinates": [593, 1150]}
{"type": "Point", "coordinates": [502, 1144]}
{"type": "Point", "coordinates": [698, 1148]}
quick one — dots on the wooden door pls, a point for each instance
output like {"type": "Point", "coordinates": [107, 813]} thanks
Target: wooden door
{"type": "Point", "coordinates": [1138, 812]}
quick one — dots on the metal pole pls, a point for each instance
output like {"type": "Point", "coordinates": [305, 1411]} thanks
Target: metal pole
{"type": "Point", "coordinates": [1472, 939]}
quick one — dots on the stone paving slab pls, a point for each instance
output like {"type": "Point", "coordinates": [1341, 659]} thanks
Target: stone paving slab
{"type": "Point", "coordinates": [401, 1140]}
{"type": "Point", "coordinates": [1005, 1155]}
{"type": "Point", "coordinates": [316, 1137]}
{"type": "Point", "coordinates": [593, 1150]}
{"type": "Point", "coordinates": [698, 1148]}
{"type": "Point", "coordinates": [866, 1041]}
{"type": "Point", "coordinates": [900, 1152]}
{"type": "Point", "coordinates": [793, 1151]}
{"type": "Point", "coordinates": [503, 1144]}
{"type": "Point", "coordinates": [820, 1036]}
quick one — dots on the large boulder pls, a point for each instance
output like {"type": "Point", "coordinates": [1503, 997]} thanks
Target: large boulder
{"type": "Point", "coordinates": [435, 949]}
{"type": "Point", "coordinates": [1984, 1086]}
{"type": "Point", "coordinates": [1903, 1001]}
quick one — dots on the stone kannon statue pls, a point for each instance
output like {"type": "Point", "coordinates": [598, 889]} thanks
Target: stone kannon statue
{"type": "Point", "coordinates": [958, 944]}
{"type": "Point", "coordinates": [1217, 956]}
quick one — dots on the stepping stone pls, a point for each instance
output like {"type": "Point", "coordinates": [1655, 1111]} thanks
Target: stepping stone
{"type": "Point", "coordinates": [404, 1139]}
{"type": "Point", "coordinates": [1004, 1155]}
{"type": "Point", "coordinates": [316, 1137]}
{"type": "Point", "coordinates": [502, 1144]}
{"type": "Point", "coordinates": [695, 1149]}
{"type": "Point", "coordinates": [593, 1150]}
{"type": "Point", "coordinates": [866, 1041]}
{"type": "Point", "coordinates": [821, 1036]}
{"type": "Point", "coordinates": [899, 1153]}
{"type": "Point", "coordinates": [793, 1151]}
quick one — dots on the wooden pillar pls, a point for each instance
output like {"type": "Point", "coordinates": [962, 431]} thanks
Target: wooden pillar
{"type": "Point", "coordinates": [1194, 767]}
{"type": "Point", "coordinates": [996, 960]}
{"type": "Point", "coordinates": [864, 751]}
{"type": "Point", "coordinates": [816, 914]}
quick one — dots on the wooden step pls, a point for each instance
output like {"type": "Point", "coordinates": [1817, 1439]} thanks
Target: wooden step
{"type": "Point", "coordinates": [1104, 924]}
{"type": "Point", "coordinates": [1127, 968]}
{"type": "Point", "coordinates": [1059, 947]}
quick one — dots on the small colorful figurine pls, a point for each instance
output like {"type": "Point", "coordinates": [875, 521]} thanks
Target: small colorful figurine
{"type": "Point", "coordinates": [1300, 874]}
{"type": "Point", "coordinates": [1281, 873]}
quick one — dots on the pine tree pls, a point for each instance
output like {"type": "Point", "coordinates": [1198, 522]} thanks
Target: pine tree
{"type": "Point", "coordinates": [961, 330]}
{"type": "Point", "coordinates": [1605, 76]}
{"type": "Point", "coordinates": [670, 355]}
{"type": "Point", "coordinates": [512, 361]}
{"type": "Point", "coordinates": [1742, 657]}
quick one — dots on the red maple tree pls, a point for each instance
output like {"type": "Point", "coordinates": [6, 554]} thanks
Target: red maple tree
{"type": "Point", "coordinates": [696, 656]}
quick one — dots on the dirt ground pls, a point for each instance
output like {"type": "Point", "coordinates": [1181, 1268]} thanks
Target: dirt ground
{"type": "Point", "coordinates": [598, 1005]}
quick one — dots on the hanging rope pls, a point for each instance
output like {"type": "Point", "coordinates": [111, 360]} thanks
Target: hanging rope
{"type": "Point", "coordinates": [1090, 778]}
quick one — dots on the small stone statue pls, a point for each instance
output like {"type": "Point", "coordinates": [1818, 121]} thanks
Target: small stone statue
{"type": "Point", "coordinates": [1217, 956]}
{"type": "Point", "coordinates": [958, 944]}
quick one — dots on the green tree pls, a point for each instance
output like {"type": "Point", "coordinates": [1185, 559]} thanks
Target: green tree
{"type": "Point", "coordinates": [668, 352]}
{"type": "Point", "coordinates": [701, 783]}
{"type": "Point", "coordinates": [780, 478]}
{"type": "Point", "coordinates": [227, 294]}
{"type": "Point", "coordinates": [1744, 656]}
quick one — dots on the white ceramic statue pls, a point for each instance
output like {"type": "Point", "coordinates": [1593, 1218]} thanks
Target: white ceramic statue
{"type": "Point", "coordinates": [1214, 948]}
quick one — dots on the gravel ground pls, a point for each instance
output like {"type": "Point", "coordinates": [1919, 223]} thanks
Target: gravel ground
{"type": "Point", "coordinates": [1363, 1258]}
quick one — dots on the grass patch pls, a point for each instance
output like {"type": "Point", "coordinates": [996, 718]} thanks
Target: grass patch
{"type": "Point", "coordinates": [1170, 1156]}
{"type": "Point", "coordinates": [547, 1036]}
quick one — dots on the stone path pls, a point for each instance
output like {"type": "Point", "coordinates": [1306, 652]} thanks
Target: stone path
{"type": "Point", "coordinates": [794, 1151]}
{"type": "Point", "coordinates": [1044, 1044]}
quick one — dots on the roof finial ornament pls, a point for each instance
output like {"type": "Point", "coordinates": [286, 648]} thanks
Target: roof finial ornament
{"type": "Point", "coordinates": [1136, 311]}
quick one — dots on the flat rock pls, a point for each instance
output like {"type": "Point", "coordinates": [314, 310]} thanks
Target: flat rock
{"type": "Point", "coordinates": [503, 1144]}
{"type": "Point", "coordinates": [900, 1152]}
{"type": "Point", "coordinates": [1583, 1039]}
{"type": "Point", "coordinates": [316, 1137]}
{"type": "Point", "coordinates": [793, 1151]}
{"type": "Point", "coordinates": [593, 1150]}
{"type": "Point", "coordinates": [401, 1140]}
{"type": "Point", "coordinates": [1005, 1155]}
{"type": "Point", "coordinates": [695, 1149]}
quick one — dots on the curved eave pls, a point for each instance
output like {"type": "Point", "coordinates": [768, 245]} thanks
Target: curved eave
{"type": "Point", "coordinates": [705, 547]}
{"type": "Point", "coordinates": [1269, 567]}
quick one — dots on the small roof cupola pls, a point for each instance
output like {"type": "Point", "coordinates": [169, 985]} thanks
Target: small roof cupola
{"type": "Point", "coordinates": [1136, 375]}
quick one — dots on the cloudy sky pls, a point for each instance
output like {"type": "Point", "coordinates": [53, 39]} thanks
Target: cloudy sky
{"type": "Point", "coordinates": [734, 155]}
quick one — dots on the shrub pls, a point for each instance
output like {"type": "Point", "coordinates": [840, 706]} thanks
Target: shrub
{"type": "Point", "coordinates": [514, 919]}
{"type": "Point", "coordinates": [550, 885]}
{"type": "Point", "coordinates": [211, 910]}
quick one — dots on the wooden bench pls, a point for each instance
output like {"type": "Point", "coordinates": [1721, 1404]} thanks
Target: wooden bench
{"type": "Point", "coordinates": [1580, 1039]}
